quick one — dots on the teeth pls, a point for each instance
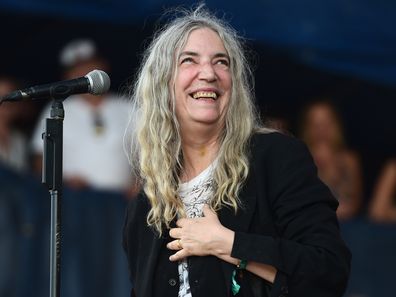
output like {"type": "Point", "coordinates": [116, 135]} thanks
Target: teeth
{"type": "Point", "coordinates": [205, 95]}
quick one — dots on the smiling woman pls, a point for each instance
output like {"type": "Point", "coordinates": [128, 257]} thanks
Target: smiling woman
{"type": "Point", "coordinates": [202, 84]}
{"type": "Point", "coordinates": [227, 206]}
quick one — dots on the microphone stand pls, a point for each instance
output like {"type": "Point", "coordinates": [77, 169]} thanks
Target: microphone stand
{"type": "Point", "coordinates": [95, 82]}
{"type": "Point", "coordinates": [52, 177]}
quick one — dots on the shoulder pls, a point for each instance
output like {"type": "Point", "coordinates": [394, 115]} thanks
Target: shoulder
{"type": "Point", "coordinates": [282, 157]}
{"type": "Point", "coordinates": [350, 158]}
{"type": "Point", "coordinates": [389, 169]}
{"type": "Point", "coordinates": [275, 144]}
{"type": "Point", "coordinates": [287, 169]}
{"type": "Point", "coordinates": [137, 208]}
{"type": "Point", "coordinates": [272, 137]}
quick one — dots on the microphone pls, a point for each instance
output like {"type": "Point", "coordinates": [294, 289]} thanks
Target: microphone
{"type": "Point", "coordinates": [95, 82]}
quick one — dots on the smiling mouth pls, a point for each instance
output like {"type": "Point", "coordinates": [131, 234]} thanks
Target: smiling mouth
{"type": "Point", "coordinates": [204, 95]}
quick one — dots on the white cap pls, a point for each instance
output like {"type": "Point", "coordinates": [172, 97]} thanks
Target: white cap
{"type": "Point", "coordinates": [76, 51]}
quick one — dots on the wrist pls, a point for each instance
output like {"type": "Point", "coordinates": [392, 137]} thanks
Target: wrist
{"type": "Point", "coordinates": [222, 246]}
{"type": "Point", "coordinates": [241, 264]}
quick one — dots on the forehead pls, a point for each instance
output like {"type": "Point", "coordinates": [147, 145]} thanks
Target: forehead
{"type": "Point", "coordinates": [6, 86]}
{"type": "Point", "coordinates": [204, 39]}
{"type": "Point", "coordinates": [322, 108]}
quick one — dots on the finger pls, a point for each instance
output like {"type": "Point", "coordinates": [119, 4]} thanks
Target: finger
{"type": "Point", "coordinates": [180, 255]}
{"type": "Point", "coordinates": [174, 245]}
{"type": "Point", "coordinates": [175, 232]}
{"type": "Point", "coordinates": [181, 222]}
{"type": "Point", "coordinates": [208, 212]}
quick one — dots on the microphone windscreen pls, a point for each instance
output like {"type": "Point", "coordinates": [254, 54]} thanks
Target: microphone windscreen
{"type": "Point", "coordinates": [99, 82]}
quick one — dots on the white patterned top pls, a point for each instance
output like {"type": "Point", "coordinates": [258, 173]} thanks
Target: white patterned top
{"type": "Point", "coordinates": [194, 194]}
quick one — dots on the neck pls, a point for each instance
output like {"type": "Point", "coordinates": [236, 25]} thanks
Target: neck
{"type": "Point", "coordinates": [94, 101]}
{"type": "Point", "coordinates": [200, 148]}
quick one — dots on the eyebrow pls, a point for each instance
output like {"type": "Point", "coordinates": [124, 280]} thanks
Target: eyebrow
{"type": "Point", "coordinates": [195, 54]}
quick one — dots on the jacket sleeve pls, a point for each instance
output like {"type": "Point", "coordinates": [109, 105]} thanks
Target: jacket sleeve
{"type": "Point", "coordinates": [130, 214]}
{"type": "Point", "coordinates": [309, 254]}
{"type": "Point", "coordinates": [130, 239]}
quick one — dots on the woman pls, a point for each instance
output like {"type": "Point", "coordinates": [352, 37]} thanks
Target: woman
{"type": "Point", "coordinates": [338, 166]}
{"type": "Point", "coordinates": [227, 208]}
{"type": "Point", "coordinates": [382, 208]}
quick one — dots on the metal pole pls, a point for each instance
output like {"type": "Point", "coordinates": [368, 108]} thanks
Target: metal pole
{"type": "Point", "coordinates": [52, 177]}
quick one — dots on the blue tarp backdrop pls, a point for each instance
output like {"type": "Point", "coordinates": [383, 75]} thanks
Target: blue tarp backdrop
{"type": "Point", "coordinates": [353, 37]}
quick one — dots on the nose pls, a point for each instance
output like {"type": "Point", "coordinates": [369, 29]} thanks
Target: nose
{"type": "Point", "coordinates": [207, 72]}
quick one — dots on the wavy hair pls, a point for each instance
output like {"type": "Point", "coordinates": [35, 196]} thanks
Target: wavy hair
{"type": "Point", "coordinates": [155, 152]}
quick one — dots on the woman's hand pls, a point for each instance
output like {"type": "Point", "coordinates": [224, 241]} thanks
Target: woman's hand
{"type": "Point", "coordinates": [200, 237]}
{"type": "Point", "coordinates": [207, 236]}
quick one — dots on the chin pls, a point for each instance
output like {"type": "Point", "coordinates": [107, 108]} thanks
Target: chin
{"type": "Point", "coordinates": [207, 119]}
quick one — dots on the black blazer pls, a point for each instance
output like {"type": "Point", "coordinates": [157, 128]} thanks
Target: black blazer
{"type": "Point", "coordinates": [287, 220]}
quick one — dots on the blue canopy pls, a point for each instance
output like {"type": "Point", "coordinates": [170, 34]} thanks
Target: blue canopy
{"type": "Point", "coordinates": [353, 37]}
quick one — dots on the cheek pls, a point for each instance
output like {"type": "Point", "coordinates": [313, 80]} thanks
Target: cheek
{"type": "Point", "coordinates": [226, 80]}
{"type": "Point", "coordinates": [223, 73]}
{"type": "Point", "coordinates": [179, 111]}
{"type": "Point", "coordinates": [226, 85]}
{"type": "Point", "coordinates": [179, 103]}
{"type": "Point", "coordinates": [184, 78]}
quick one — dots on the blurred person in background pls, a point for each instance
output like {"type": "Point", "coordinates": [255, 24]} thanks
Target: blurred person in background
{"type": "Point", "coordinates": [94, 126]}
{"type": "Point", "coordinates": [382, 208]}
{"type": "Point", "coordinates": [321, 129]}
{"type": "Point", "coordinates": [13, 143]}
{"type": "Point", "coordinates": [279, 123]}
{"type": "Point", "coordinates": [97, 179]}
{"type": "Point", "coordinates": [21, 219]}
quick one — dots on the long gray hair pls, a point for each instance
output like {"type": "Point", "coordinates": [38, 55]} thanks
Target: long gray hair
{"type": "Point", "coordinates": [155, 145]}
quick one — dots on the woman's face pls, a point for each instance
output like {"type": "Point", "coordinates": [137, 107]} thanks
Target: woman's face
{"type": "Point", "coordinates": [322, 125]}
{"type": "Point", "coordinates": [203, 81]}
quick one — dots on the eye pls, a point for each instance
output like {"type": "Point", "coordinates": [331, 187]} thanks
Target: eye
{"type": "Point", "coordinates": [223, 62]}
{"type": "Point", "coordinates": [187, 60]}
